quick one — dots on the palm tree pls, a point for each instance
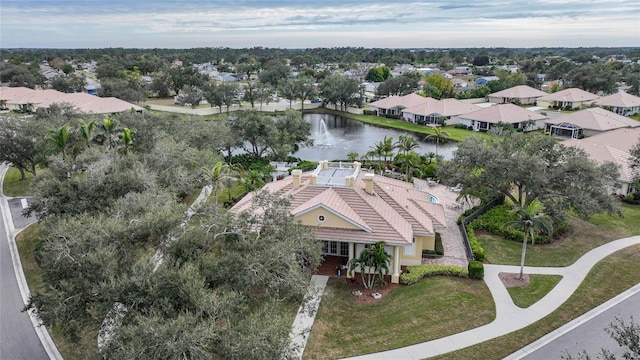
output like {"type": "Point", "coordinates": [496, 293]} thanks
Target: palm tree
{"type": "Point", "coordinates": [108, 128]}
{"type": "Point", "coordinates": [218, 176]}
{"type": "Point", "coordinates": [439, 135]}
{"type": "Point", "coordinates": [252, 179]}
{"type": "Point", "coordinates": [86, 131]}
{"type": "Point", "coordinates": [58, 139]}
{"type": "Point", "coordinates": [352, 156]}
{"type": "Point", "coordinates": [372, 262]}
{"type": "Point", "coordinates": [406, 144]}
{"type": "Point", "coordinates": [531, 223]}
{"type": "Point", "coordinates": [126, 140]}
{"type": "Point", "coordinates": [410, 164]}
{"type": "Point", "coordinates": [384, 148]}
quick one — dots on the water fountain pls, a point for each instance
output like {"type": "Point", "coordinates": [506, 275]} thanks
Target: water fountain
{"type": "Point", "coordinates": [322, 136]}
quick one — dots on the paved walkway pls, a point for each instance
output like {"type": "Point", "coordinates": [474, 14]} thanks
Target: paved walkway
{"type": "Point", "coordinates": [306, 315]}
{"type": "Point", "coordinates": [509, 317]}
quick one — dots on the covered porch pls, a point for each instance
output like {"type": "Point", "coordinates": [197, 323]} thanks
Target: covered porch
{"type": "Point", "coordinates": [339, 260]}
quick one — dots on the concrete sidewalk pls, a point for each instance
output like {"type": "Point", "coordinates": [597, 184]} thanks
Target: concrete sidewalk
{"type": "Point", "coordinates": [509, 317]}
{"type": "Point", "coordinates": [303, 322]}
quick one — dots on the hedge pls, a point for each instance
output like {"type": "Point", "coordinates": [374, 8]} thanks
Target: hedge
{"type": "Point", "coordinates": [417, 272]}
{"type": "Point", "coordinates": [476, 248]}
{"type": "Point", "coordinates": [495, 219]}
{"type": "Point", "coordinates": [476, 270]}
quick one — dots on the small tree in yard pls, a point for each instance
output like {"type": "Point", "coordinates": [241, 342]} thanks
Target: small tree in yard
{"type": "Point", "coordinates": [372, 263]}
{"type": "Point", "coordinates": [531, 223]}
{"type": "Point", "coordinates": [626, 334]}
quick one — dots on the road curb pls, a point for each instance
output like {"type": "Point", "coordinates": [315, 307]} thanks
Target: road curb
{"type": "Point", "coordinates": [39, 328]}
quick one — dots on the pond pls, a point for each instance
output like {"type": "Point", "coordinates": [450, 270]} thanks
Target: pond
{"type": "Point", "coordinates": [335, 136]}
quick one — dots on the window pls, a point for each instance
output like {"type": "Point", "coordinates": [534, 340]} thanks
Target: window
{"type": "Point", "coordinates": [333, 247]}
{"type": "Point", "coordinates": [321, 218]}
{"type": "Point", "coordinates": [344, 249]}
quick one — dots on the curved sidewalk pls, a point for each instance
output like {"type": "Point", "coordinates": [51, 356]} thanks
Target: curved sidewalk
{"type": "Point", "coordinates": [509, 317]}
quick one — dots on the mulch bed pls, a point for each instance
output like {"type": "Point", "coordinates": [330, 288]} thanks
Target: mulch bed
{"type": "Point", "coordinates": [511, 279]}
{"type": "Point", "coordinates": [366, 298]}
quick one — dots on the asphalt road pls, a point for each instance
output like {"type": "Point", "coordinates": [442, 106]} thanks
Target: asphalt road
{"type": "Point", "coordinates": [18, 338]}
{"type": "Point", "coordinates": [590, 335]}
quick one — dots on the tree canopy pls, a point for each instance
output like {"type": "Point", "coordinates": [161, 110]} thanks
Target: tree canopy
{"type": "Point", "coordinates": [529, 167]}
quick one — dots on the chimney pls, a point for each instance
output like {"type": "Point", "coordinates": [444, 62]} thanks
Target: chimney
{"type": "Point", "coordinates": [348, 180]}
{"type": "Point", "coordinates": [297, 175]}
{"type": "Point", "coordinates": [314, 179]}
{"type": "Point", "coordinates": [368, 183]}
{"type": "Point", "coordinates": [356, 165]}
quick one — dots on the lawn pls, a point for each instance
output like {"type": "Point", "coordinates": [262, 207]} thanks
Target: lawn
{"type": "Point", "coordinates": [584, 236]}
{"type": "Point", "coordinates": [13, 186]}
{"type": "Point", "coordinates": [454, 134]}
{"type": "Point", "coordinates": [432, 308]}
{"type": "Point", "coordinates": [538, 287]}
{"type": "Point", "coordinates": [608, 278]}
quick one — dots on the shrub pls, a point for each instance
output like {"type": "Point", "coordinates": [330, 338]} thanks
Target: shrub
{"type": "Point", "coordinates": [461, 126]}
{"type": "Point", "coordinates": [476, 248]}
{"type": "Point", "coordinates": [369, 112]}
{"type": "Point", "coordinates": [476, 270]}
{"type": "Point", "coordinates": [392, 116]}
{"type": "Point", "coordinates": [417, 272]}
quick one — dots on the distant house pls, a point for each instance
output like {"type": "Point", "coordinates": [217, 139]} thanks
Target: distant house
{"type": "Point", "coordinates": [485, 79]}
{"type": "Point", "coordinates": [461, 70]}
{"type": "Point", "coordinates": [612, 146]}
{"type": "Point", "coordinates": [459, 83]}
{"type": "Point", "coordinates": [432, 110]}
{"type": "Point", "coordinates": [588, 122]}
{"type": "Point", "coordinates": [486, 118]}
{"type": "Point", "coordinates": [572, 98]}
{"type": "Point", "coordinates": [227, 77]}
{"type": "Point", "coordinates": [519, 95]}
{"type": "Point", "coordinates": [83, 102]}
{"type": "Point", "coordinates": [621, 103]}
{"type": "Point", "coordinates": [393, 105]}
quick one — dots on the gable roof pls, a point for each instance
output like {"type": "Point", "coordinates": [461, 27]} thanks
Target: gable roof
{"type": "Point", "coordinates": [597, 119]}
{"type": "Point", "coordinates": [444, 107]}
{"type": "Point", "coordinates": [405, 101]}
{"type": "Point", "coordinates": [619, 99]}
{"type": "Point", "coordinates": [520, 92]}
{"type": "Point", "coordinates": [505, 113]}
{"type": "Point", "coordinates": [570, 95]}
{"type": "Point", "coordinates": [613, 146]}
{"type": "Point", "coordinates": [395, 213]}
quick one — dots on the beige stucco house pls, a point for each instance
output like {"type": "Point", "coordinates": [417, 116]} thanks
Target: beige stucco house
{"type": "Point", "coordinates": [519, 95]}
{"type": "Point", "coordinates": [393, 105]}
{"type": "Point", "coordinates": [486, 118]}
{"type": "Point", "coordinates": [621, 103]}
{"type": "Point", "coordinates": [573, 98]}
{"type": "Point", "coordinates": [431, 110]}
{"type": "Point", "coordinates": [348, 209]}
{"type": "Point", "coordinates": [588, 122]}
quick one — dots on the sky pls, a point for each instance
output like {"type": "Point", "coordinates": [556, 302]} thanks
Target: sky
{"type": "Point", "coordinates": [313, 23]}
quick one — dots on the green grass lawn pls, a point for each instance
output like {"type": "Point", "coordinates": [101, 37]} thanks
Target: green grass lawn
{"type": "Point", "coordinates": [538, 287]}
{"type": "Point", "coordinates": [430, 309]}
{"type": "Point", "coordinates": [13, 186]}
{"type": "Point", "coordinates": [608, 278]}
{"type": "Point", "coordinates": [584, 236]}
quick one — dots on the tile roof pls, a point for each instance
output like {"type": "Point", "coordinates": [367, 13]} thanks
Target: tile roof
{"type": "Point", "coordinates": [596, 119]}
{"type": "Point", "coordinates": [614, 146]}
{"type": "Point", "coordinates": [10, 93]}
{"type": "Point", "coordinates": [85, 103]}
{"type": "Point", "coordinates": [394, 213]}
{"type": "Point", "coordinates": [405, 101]}
{"type": "Point", "coordinates": [570, 95]}
{"type": "Point", "coordinates": [520, 92]}
{"type": "Point", "coordinates": [444, 107]}
{"type": "Point", "coordinates": [619, 99]}
{"type": "Point", "coordinates": [505, 113]}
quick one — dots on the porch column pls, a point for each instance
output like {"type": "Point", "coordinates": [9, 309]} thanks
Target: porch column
{"type": "Point", "coordinates": [352, 252]}
{"type": "Point", "coordinates": [395, 277]}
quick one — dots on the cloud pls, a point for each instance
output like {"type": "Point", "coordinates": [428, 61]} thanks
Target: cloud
{"type": "Point", "coordinates": [265, 23]}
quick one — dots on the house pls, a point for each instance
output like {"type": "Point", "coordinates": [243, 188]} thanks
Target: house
{"type": "Point", "coordinates": [588, 122]}
{"type": "Point", "coordinates": [459, 83]}
{"type": "Point", "coordinates": [519, 95]}
{"type": "Point", "coordinates": [393, 105]}
{"type": "Point", "coordinates": [432, 110]}
{"type": "Point", "coordinates": [83, 102]}
{"type": "Point", "coordinates": [485, 79]}
{"type": "Point", "coordinates": [572, 98]}
{"type": "Point", "coordinates": [461, 70]}
{"type": "Point", "coordinates": [612, 146]}
{"type": "Point", "coordinates": [620, 103]}
{"type": "Point", "coordinates": [10, 93]}
{"type": "Point", "coordinates": [348, 209]}
{"type": "Point", "coordinates": [486, 118]}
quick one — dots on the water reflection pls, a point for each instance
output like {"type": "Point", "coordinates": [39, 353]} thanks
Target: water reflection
{"type": "Point", "coordinates": [336, 136]}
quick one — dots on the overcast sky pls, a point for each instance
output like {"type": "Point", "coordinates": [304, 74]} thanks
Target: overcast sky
{"type": "Point", "coordinates": [312, 23]}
